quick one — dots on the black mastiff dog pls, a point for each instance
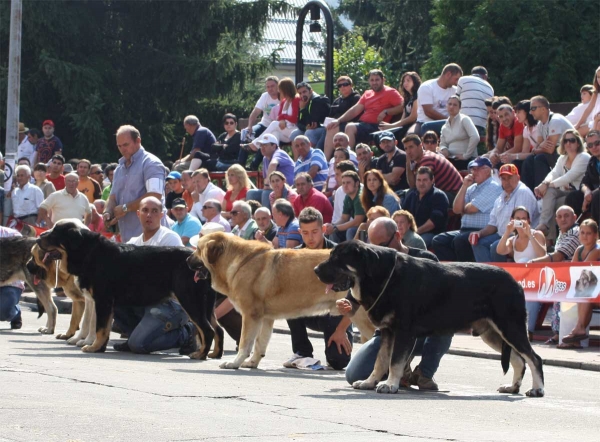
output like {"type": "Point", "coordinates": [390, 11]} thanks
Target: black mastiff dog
{"type": "Point", "coordinates": [410, 297]}
{"type": "Point", "coordinates": [123, 274]}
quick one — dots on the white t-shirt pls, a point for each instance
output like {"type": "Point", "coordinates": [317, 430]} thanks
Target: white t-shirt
{"type": "Point", "coordinates": [577, 112]}
{"type": "Point", "coordinates": [338, 205]}
{"type": "Point", "coordinates": [266, 104]}
{"type": "Point", "coordinates": [163, 237]}
{"type": "Point", "coordinates": [431, 93]}
{"type": "Point", "coordinates": [211, 192]}
{"type": "Point", "coordinates": [557, 124]}
{"type": "Point", "coordinates": [27, 150]}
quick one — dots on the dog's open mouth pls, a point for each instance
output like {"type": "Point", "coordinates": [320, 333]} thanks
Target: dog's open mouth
{"type": "Point", "coordinates": [342, 285]}
{"type": "Point", "coordinates": [52, 255]}
{"type": "Point", "coordinates": [201, 273]}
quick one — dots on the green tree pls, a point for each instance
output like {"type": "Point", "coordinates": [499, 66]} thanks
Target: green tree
{"type": "Point", "coordinates": [94, 65]}
{"type": "Point", "coordinates": [547, 47]}
{"type": "Point", "coordinates": [400, 28]}
{"type": "Point", "coordinates": [355, 59]}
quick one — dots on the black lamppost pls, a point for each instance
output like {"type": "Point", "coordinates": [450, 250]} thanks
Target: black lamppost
{"type": "Point", "coordinates": [315, 7]}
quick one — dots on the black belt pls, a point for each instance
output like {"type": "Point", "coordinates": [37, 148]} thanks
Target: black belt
{"type": "Point", "coordinates": [26, 216]}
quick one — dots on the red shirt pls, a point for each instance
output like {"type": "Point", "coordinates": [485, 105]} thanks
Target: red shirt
{"type": "Point", "coordinates": [317, 200]}
{"type": "Point", "coordinates": [446, 176]}
{"type": "Point", "coordinates": [509, 133]}
{"type": "Point", "coordinates": [189, 201]}
{"type": "Point", "coordinates": [59, 182]}
{"type": "Point", "coordinates": [377, 102]}
{"type": "Point", "coordinates": [228, 202]}
{"type": "Point", "coordinates": [293, 117]}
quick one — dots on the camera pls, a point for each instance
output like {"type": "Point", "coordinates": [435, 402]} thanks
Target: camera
{"type": "Point", "coordinates": [518, 223]}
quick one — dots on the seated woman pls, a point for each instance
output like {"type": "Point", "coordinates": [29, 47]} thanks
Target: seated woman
{"type": "Point", "coordinates": [529, 135]}
{"type": "Point", "coordinates": [238, 184]}
{"type": "Point", "coordinates": [459, 136]}
{"type": "Point", "coordinates": [331, 184]}
{"type": "Point", "coordinates": [407, 227]}
{"type": "Point", "coordinates": [280, 189]}
{"type": "Point", "coordinates": [431, 141]}
{"type": "Point", "coordinates": [588, 251]}
{"type": "Point", "coordinates": [377, 192]}
{"type": "Point", "coordinates": [563, 178]}
{"type": "Point", "coordinates": [409, 85]}
{"type": "Point", "coordinates": [372, 214]}
{"type": "Point", "coordinates": [525, 245]}
{"type": "Point", "coordinates": [227, 148]}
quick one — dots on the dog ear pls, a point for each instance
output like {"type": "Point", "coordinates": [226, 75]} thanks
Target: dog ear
{"type": "Point", "coordinates": [377, 261]}
{"type": "Point", "coordinates": [75, 237]}
{"type": "Point", "coordinates": [214, 249]}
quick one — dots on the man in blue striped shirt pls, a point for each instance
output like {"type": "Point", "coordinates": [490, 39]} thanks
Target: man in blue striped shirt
{"type": "Point", "coordinates": [311, 161]}
{"type": "Point", "coordinates": [474, 202]}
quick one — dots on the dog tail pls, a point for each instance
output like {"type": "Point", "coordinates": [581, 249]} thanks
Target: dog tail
{"type": "Point", "coordinates": [505, 356]}
{"type": "Point", "coordinates": [40, 306]}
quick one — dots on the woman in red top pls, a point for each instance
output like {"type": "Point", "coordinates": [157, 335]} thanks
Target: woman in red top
{"type": "Point", "coordinates": [238, 184]}
{"type": "Point", "coordinates": [289, 108]}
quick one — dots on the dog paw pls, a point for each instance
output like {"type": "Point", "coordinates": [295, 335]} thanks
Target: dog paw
{"type": "Point", "coordinates": [386, 389]}
{"type": "Point", "coordinates": [74, 340]}
{"type": "Point", "coordinates": [363, 385]}
{"type": "Point", "coordinates": [250, 364]}
{"type": "Point", "coordinates": [509, 389]}
{"type": "Point", "coordinates": [197, 355]}
{"type": "Point", "coordinates": [214, 355]}
{"type": "Point", "coordinates": [535, 392]}
{"type": "Point", "coordinates": [46, 330]}
{"type": "Point", "coordinates": [88, 349]}
{"type": "Point", "coordinates": [229, 365]}
{"type": "Point", "coordinates": [63, 336]}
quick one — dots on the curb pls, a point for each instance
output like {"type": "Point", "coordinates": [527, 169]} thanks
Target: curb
{"type": "Point", "coordinates": [587, 366]}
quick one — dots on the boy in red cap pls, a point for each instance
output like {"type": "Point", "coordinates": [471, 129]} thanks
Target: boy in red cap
{"type": "Point", "coordinates": [49, 145]}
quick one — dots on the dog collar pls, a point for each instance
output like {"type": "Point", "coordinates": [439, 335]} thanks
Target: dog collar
{"type": "Point", "coordinates": [384, 287]}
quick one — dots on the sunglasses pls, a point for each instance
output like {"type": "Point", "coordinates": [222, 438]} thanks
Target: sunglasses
{"type": "Point", "coordinates": [235, 212]}
{"type": "Point", "coordinates": [97, 173]}
{"type": "Point", "coordinates": [570, 140]}
{"type": "Point", "coordinates": [388, 242]}
{"type": "Point", "coordinates": [429, 142]}
{"type": "Point", "coordinates": [227, 123]}
{"type": "Point", "coordinates": [532, 108]}
{"type": "Point", "coordinates": [207, 207]}
{"type": "Point", "coordinates": [340, 85]}
{"type": "Point", "coordinates": [594, 144]}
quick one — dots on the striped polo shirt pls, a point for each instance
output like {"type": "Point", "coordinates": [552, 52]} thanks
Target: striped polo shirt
{"type": "Point", "coordinates": [445, 174]}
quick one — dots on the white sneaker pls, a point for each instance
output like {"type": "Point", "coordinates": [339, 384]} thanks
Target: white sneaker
{"type": "Point", "coordinates": [290, 362]}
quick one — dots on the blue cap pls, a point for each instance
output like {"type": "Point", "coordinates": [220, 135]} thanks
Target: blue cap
{"type": "Point", "coordinates": [387, 135]}
{"type": "Point", "coordinates": [480, 161]}
{"type": "Point", "coordinates": [174, 176]}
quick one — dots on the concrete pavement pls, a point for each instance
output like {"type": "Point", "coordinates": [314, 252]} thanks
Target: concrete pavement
{"type": "Point", "coordinates": [53, 392]}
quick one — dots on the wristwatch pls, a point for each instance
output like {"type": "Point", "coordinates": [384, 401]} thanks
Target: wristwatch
{"type": "Point", "coordinates": [124, 207]}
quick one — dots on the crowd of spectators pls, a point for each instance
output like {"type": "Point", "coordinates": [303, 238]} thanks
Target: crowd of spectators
{"type": "Point", "coordinates": [460, 171]}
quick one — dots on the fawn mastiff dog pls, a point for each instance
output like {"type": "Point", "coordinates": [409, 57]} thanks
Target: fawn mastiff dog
{"type": "Point", "coordinates": [410, 297]}
{"type": "Point", "coordinates": [264, 284]}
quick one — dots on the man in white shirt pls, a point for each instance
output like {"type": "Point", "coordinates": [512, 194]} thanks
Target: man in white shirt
{"type": "Point", "coordinates": [26, 147]}
{"type": "Point", "coordinates": [159, 326]}
{"type": "Point", "coordinates": [211, 210]}
{"type": "Point", "coordinates": [206, 191]}
{"type": "Point", "coordinates": [339, 195]}
{"type": "Point", "coordinates": [433, 96]}
{"type": "Point", "coordinates": [26, 197]}
{"type": "Point", "coordinates": [473, 90]}
{"type": "Point", "coordinates": [66, 203]}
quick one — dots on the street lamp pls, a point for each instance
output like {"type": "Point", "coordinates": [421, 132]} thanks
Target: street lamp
{"type": "Point", "coordinates": [315, 7]}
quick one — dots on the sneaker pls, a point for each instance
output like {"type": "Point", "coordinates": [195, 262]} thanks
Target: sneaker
{"type": "Point", "coordinates": [191, 344]}
{"type": "Point", "coordinates": [290, 362]}
{"type": "Point", "coordinates": [17, 322]}
{"type": "Point", "coordinates": [122, 346]}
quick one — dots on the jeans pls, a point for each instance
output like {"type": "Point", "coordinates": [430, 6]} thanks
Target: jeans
{"type": "Point", "coordinates": [435, 126]}
{"type": "Point", "coordinates": [257, 130]}
{"type": "Point", "coordinates": [9, 302]}
{"type": "Point", "coordinates": [454, 246]}
{"type": "Point", "coordinates": [154, 328]}
{"type": "Point", "coordinates": [260, 195]}
{"type": "Point", "coordinates": [485, 250]}
{"type": "Point", "coordinates": [327, 324]}
{"type": "Point", "coordinates": [536, 167]}
{"type": "Point", "coordinates": [432, 349]}
{"type": "Point", "coordinates": [222, 167]}
{"type": "Point", "coordinates": [339, 236]}
{"type": "Point", "coordinates": [427, 237]}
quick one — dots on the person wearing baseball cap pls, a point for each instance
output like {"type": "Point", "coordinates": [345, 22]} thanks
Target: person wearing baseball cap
{"type": "Point", "coordinates": [174, 182]}
{"type": "Point", "coordinates": [49, 145]}
{"type": "Point", "coordinates": [186, 226]}
{"type": "Point", "coordinates": [274, 159]}
{"type": "Point", "coordinates": [515, 193]}
{"type": "Point", "coordinates": [393, 163]}
{"type": "Point", "coordinates": [474, 201]}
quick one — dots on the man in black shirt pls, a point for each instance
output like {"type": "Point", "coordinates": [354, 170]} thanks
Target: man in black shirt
{"type": "Point", "coordinates": [393, 162]}
{"type": "Point", "coordinates": [336, 329]}
{"type": "Point", "coordinates": [384, 232]}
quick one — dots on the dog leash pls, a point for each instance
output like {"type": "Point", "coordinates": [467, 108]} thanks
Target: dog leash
{"type": "Point", "coordinates": [384, 287]}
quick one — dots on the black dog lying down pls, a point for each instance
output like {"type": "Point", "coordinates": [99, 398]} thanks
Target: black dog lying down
{"type": "Point", "coordinates": [410, 297]}
{"type": "Point", "coordinates": [122, 274]}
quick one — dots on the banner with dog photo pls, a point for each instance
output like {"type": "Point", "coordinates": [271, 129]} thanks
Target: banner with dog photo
{"type": "Point", "coordinates": [554, 282]}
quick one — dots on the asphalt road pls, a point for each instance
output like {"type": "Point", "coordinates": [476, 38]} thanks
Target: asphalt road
{"type": "Point", "coordinates": [53, 392]}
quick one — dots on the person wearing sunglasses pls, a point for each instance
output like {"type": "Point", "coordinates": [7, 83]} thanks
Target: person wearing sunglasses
{"type": "Point", "coordinates": [314, 108]}
{"type": "Point", "coordinates": [562, 179]}
{"type": "Point", "coordinates": [241, 218]}
{"type": "Point", "coordinates": [211, 211]}
{"type": "Point", "coordinates": [550, 128]}
{"type": "Point", "coordinates": [384, 232]}
{"type": "Point", "coordinates": [587, 197]}
{"type": "Point", "coordinates": [88, 186]}
{"type": "Point", "coordinates": [347, 98]}
{"type": "Point", "coordinates": [226, 150]}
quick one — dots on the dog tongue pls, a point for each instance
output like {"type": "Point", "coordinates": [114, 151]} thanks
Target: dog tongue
{"type": "Point", "coordinates": [328, 288]}
{"type": "Point", "coordinates": [36, 280]}
{"type": "Point", "coordinates": [46, 257]}
{"type": "Point", "coordinates": [196, 276]}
